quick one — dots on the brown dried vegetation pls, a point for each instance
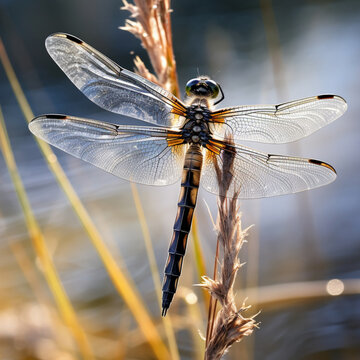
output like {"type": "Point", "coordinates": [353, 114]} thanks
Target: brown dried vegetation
{"type": "Point", "coordinates": [153, 28]}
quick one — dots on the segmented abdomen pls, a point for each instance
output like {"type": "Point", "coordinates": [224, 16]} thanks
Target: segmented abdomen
{"type": "Point", "coordinates": [186, 205]}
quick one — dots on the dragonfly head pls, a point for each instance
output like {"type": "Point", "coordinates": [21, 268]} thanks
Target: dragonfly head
{"type": "Point", "coordinates": [202, 86]}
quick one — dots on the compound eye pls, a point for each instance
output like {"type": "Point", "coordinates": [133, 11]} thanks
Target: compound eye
{"type": "Point", "coordinates": [191, 86]}
{"type": "Point", "coordinates": [214, 88]}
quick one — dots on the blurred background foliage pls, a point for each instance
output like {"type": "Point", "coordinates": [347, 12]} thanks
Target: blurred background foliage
{"type": "Point", "coordinates": [260, 52]}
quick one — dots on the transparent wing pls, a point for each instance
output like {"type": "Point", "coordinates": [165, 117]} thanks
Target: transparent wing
{"type": "Point", "coordinates": [136, 153]}
{"type": "Point", "coordinates": [279, 123]}
{"type": "Point", "coordinates": [112, 87]}
{"type": "Point", "coordinates": [255, 174]}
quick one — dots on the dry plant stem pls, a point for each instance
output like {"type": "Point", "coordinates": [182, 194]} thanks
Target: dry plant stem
{"type": "Point", "coordinates": [118, 277]}
{"type": "Point", "coordinates": [199, 259]}
{"type": "Point", "coordinates": [229, 325]}
{"type": "Point", "coordinates": [153, 28]}
{"type": "Point", "coordinates": [154, 270]}
{"type": "Point", "coordinates": [147, 239]}
{"type": "Point", "coordinates": [213, 302]}
{"type": "Point", "coordinates": [41, 250]}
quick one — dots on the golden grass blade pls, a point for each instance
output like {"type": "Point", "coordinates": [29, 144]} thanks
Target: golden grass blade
{"type": "Point", "coordinates": [153, 28]}
{"type": "Point", "coordinates": [41, 250]}
{"type": "Point", "coordinates": [213, 302]}
{"type": "Point", "coordinates": [120, 281]}
{"type": "Point", "coordinates": [199, 259]}
{"type": "Point", "coordinates": [194, 312]}
{"type": "Point", "coordinates": [148, 243]}
{"type": "Point", "coordinates": [154, 271]}
{"type": "Point", "coordinates": [27, 267]}
{"type": "Point", "coordinates": [31, 275]}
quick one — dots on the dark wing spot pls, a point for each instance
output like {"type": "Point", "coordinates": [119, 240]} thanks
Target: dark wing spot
{"type": "Point", "coordinates": [321, 163]}
{"type": "Point", "coordinates": [320, 97]}
{"type": "Point", "coordinates": [55, 116]}
{"type": "Point", "coordinates": [74, 39]}
{"type": "Point", "coordinates": [317, 162]}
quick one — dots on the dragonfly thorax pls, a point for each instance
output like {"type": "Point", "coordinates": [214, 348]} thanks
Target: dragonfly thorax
{"type": "Point", "coordinates": [196, 128]}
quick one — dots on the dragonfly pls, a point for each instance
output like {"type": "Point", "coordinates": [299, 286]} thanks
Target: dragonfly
{"type": "Point", "coordinates": [188, 139]}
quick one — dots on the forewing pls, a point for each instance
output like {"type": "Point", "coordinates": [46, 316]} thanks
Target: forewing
{"type": "Point", "coordinates": [136, 153]}
{"type": "Point", "coordinates": [253, 174]}
{"type": "Point", "coordinates": [112, 87]}
{"type": "Point", "coordinates": [279, 123]}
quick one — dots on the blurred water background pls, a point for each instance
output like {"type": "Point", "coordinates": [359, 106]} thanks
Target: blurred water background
{"type": "Point", "coordinates": [260, 52]}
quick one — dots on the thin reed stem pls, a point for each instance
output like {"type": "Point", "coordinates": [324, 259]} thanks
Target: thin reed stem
{"type": "Point", "coordinates": [39, 245]}
{"type": "Point", "coordinates": [31, 274]}
{"type": "Point", "coordinates": [199, 259]}
{"type": "Point", "coordinates": [123, 285]}
{"type": "Point", "coordinates": [28, 269]}
{"type": "Point", "coordinates": [213, 302]}
{"type": "Point", "coordinates": [154, 271]}
{"type": "Point", "coordinates": [148, 243]}
{"type": "Point", "coordinates": [153, 28]}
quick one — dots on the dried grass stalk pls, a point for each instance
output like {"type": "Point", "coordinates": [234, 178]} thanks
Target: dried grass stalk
{"type": "Point", "coordinates": [153, 28]}
{"type": "Point", "coordinates": [229, 325]}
